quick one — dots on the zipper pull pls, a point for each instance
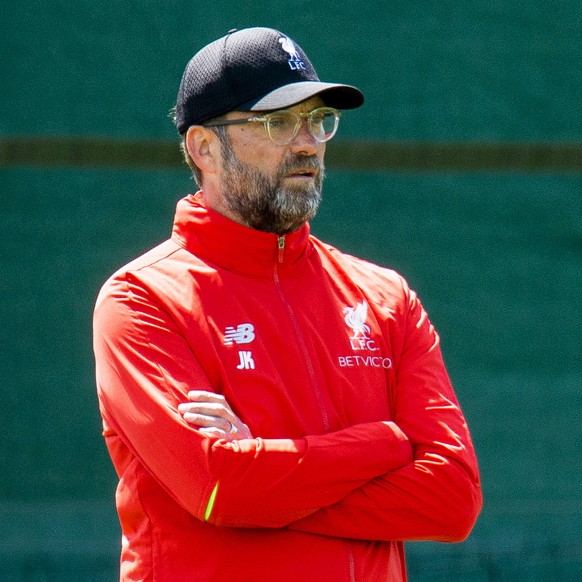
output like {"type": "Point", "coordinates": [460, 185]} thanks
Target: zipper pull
{"type": "Point", "coordinates": [281, 246]}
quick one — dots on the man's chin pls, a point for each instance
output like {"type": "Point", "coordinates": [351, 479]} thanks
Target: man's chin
{"type": "Point", "coordinates": [296, 221]}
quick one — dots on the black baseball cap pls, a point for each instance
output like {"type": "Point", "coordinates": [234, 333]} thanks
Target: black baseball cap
{"type": "Point", "coordinates": [253, 69]}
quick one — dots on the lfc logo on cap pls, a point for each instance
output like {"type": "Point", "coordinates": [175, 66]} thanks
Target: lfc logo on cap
{"type": "Point", "coordinates": [295, 61]}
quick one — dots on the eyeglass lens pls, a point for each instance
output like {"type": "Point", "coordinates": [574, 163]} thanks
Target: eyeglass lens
{"type": "Point", "coordinates": [283, 126]}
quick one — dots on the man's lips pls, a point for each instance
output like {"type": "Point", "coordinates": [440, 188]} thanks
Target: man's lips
{"type": "Point", "coordinates": [301, 173]}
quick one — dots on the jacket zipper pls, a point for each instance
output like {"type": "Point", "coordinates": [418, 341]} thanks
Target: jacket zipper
{"type": "Point", "coordinates": [298, 333]}
{"type": "Point", "coordinates": [281, 247]}
{"type": "Point", "coordinates": [310, 368]}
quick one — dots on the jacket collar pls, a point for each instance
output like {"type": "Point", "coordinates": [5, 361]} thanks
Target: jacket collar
{"type": "Point", "coordinates": [226, 244]}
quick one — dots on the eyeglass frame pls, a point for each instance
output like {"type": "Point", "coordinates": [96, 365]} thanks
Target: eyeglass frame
{"type": "Point", "coordinates": [264, 119]}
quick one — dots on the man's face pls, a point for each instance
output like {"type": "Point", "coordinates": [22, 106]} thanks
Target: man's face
{"type": "Point", "coordinates": [270, 187]}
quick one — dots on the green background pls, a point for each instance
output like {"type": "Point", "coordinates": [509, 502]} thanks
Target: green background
{"type": "Point", "coordinates": [496, 256]}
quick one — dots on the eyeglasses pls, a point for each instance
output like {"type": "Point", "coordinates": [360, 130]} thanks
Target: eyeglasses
{"type": "Point", "coordinates": [283, 126]}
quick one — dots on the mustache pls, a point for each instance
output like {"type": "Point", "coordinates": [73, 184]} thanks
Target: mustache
{"type": "Point", "coordinates": [302, 162]}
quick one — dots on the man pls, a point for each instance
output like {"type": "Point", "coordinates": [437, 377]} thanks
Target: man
{"type": "Point", "coordinates": [275, 409]}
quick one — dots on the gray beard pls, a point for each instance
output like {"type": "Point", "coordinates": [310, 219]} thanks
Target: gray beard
{"type": "Point", "coordinates": [263, 203]}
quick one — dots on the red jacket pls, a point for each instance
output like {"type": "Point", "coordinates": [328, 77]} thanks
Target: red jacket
{"type": "Point", "coordinates": [334, 366]}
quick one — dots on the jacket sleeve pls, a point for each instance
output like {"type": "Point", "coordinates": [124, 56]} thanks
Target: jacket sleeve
{"type": "Point", "coordinates": [145, 368]}
{"type": "Point", "coordinates": [437, 496]}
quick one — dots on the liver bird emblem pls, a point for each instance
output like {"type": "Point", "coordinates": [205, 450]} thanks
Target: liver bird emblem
{"type": "Point", "coordinates": [289, 47]}
{"type": "Point", "coordinates": [356, 319]}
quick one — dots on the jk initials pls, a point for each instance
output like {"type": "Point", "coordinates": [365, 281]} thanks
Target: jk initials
{"type": "Point", "coordinates": [246, 361]}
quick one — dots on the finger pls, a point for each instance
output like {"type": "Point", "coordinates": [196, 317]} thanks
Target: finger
{"type": "Point", "coordinates": [212, 426]}
{"type": "Point", "coordinates": [207, 408]}
{"type": "Point", "coordinates": [206, 396]}
{"type": "Point", "coordinates": [239, 431]}
{"type": "Point", "coordinates": [215, 432]}
{"type": "Point", "coordinates": [205, 421]}
{"type": "Point", "coordinates": [210, 408]}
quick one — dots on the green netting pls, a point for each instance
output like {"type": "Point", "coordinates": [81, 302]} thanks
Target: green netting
{"type": "Point", "coordinates": [496, 258]}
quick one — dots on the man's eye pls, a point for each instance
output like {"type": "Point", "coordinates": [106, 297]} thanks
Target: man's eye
{"type": "Point", "coordinates": [279, 121]}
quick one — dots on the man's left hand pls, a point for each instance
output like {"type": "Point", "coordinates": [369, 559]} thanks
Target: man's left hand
{"type": "Point", "coordinates": [211, 414]}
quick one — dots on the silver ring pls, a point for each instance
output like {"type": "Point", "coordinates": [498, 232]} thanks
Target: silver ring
{"type": "Point", "coordinates": [233, 429]}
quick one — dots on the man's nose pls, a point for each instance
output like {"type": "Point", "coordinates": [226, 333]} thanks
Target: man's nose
{"type": "Point", "coordinates": [304, 140]}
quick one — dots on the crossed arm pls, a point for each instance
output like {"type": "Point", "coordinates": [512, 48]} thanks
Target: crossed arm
{"type": "Point", "coordinates": [367, 512]}
{"type": "Point", "coordinates": [145, 368]}
{"type": "Point", "coordinates": [414, 478]}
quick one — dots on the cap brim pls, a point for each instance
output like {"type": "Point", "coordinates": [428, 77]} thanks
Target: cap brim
{"type": "Point", "coordinates": [333, 94]}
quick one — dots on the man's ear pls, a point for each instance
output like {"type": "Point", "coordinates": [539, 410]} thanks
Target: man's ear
{"type": "Point", "coordinates": [203, 146]}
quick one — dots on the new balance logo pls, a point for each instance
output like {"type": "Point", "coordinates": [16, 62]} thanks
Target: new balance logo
{"type": "Point", "coordinates": [241, 334]}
